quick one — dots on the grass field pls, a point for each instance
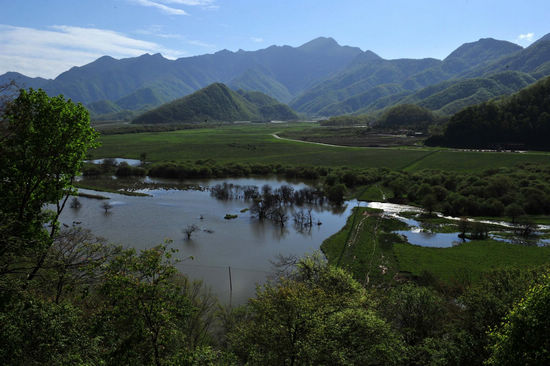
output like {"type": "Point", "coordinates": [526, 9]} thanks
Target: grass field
{"type": "Point", "coordinates": [255, 144]}
{"type": "Point", "coordinates": [367, 248]}
{"type": "Point", "coordinates": [364, 246]}
{"type": "Point", "coordinates": [468, 259]}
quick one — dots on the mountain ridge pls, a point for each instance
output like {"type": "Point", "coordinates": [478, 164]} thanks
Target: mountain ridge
{"type": "Point", "coordinates": [317, 78]}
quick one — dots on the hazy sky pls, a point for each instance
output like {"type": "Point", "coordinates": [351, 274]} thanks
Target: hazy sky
{"type": "Point", "coordinates": [47, 37]}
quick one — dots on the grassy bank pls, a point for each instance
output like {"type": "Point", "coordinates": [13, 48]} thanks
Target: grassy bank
{"type": "Point", "coordinates": [367, 248]}
{"type": "Point", "coordinates": [467, 261]}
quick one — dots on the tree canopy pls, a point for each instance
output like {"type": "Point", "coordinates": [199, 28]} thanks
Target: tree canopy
{"type": "Point", "coordinates": [44, 141]}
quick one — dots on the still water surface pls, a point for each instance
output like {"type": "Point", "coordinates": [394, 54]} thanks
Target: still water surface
{"type": "Point", "coordinates": [244, 244]}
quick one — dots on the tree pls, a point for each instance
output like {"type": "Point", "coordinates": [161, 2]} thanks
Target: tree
{"type": "Point", "coordinates": [429, 202]}
{"type": "Point", "coordinates": [485, 305]}
{"type": "Point", "coordinates": [514, 211]}
{"type": "Point", "coordinates": [335, 194]}
{"type": "Point", "coordinates": [317, 314]}
{"type": "Point", "coordinates": [143, 321]}
{"type": "Point", "coordinates": [523, 339]}
{"type": "Point", "coordinates": [189, 230]}
{"type": "Point", "coordinates": [42, 145]}
{"type": "Point", "coordinates": [106, 206]}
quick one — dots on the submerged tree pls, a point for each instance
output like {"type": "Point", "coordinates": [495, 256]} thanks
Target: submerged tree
{"type": "Point", "coordinates": [189, 230]}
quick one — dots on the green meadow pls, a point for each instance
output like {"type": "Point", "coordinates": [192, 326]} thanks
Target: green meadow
{"type": "Point", "coordinates": [367, 248]}
{"type": "Point", "coordinates": [255, 143]}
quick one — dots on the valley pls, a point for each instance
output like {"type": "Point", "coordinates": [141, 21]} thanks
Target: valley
{"type": "Point", "coordinates": [198, 182]}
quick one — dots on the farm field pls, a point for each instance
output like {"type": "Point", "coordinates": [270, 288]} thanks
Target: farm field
{"type": "Point", "coordinates": [256, 144]}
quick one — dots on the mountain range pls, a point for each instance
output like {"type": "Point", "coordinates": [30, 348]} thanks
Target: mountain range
{"type": "Point", "coordinates": [318, 78]}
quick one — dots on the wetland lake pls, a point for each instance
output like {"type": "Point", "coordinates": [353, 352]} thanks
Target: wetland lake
{"type": "Point", "coordinates": [244, 243]}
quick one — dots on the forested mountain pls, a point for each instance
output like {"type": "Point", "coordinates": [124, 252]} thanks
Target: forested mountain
{"type": "Point", "coordinates": [217, 102]}
{"type": "Point", "coordinates": [318, 78]}
{"type": "Point", "coordinates": [520, 121]}
{"type": "Point", "coordinates": [374, 84]}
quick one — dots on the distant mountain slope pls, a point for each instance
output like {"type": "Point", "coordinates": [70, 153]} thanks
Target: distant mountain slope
{"type": "Point", "coordinates": [529, 60]}
{"type": "Point", "coordinates": [361, 83]}
{"type": "Point", "coordinates": [450, 97]}
{"type": "Point", "coordinates": [318, 78]}
{"type": "Point", "coordinates": [254, 79]}
{"type": "Point", "coordinates": [477, 53]}
{"type": "Point", "coordinates": [22, 81]}
{"type": "Point", "coordinates": [217, 102]}
{"type": "Point", "coordinates": [519, 121]}
{"type": "Point", "coordinates": [282, 70]}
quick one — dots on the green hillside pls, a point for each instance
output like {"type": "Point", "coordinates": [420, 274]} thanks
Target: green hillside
{"type": "Point", "coordinates": [254, 79]}
{"type": "Point", "coordinates": [450, 97]}
{"type": "Point", "coordinates": [217, 102]}
{"type": "Point", "coordinates": [520, 121]}
{"type": "Point", "coordinates": [372, 83]}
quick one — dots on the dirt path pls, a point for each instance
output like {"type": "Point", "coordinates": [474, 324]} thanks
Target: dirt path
{"type": "Point", "coordinates": [307, 142]}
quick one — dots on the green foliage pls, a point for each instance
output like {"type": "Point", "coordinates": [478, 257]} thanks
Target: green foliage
{"type": "Point", "coordinates": [486, 304]}
{"type": "Point", "coordinates": [143, 320]}
{"type": "Point", "coordinates": [518, 122]}
{"type": "Point", "coordinates": [217, 102]}
{"type": "Point", "coordinates": [39, 332]}
{"type": "Point", "coordinates": [43, 142]}
{"type": "Point", "coordinates": [347, 120]}
{"type": "Point", "coordinates": [316, 315]}
{"type": "Point", "coordinates": [407, 116]}
{"type": "Point", "coordinates": [523, 338]}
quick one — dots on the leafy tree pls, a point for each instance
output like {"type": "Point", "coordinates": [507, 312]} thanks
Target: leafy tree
{"type": "Point", "coordinates": [335, 194]}
{"type": "Point", "coordinates": [39, 332]}
{"type": "Point", "coordinates": [523, 339]}
{"type": "Point", "coordinates": [145, 310]}
{"type": "Point", "coordinates": [42, 145]}
{"type": "Point", "coordinates": [485, 305]}
{"type": "Point", "coordinates": [316, 315]}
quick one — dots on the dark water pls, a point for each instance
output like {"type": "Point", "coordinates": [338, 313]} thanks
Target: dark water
{"type": "Point", "coordinates": [244, 244]}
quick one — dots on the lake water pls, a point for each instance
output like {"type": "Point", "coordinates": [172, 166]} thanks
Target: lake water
{"type": "Point", "coordinates": [117, 161]}
{"type": "Point", "coordinates": [245, 244]}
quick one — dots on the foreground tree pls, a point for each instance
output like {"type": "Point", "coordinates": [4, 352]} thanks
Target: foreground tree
{"type": "Point", "coordinates": [42, 145]}
{"type": "Point", "coordinates": [145, 311]}
{"type": "Point", "coordinates": [523, 339]}
{"type": "Point", "coordinates": [316, 315]}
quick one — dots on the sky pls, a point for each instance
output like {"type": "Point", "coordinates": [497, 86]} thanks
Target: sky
{"type": "Point", "coordinates": [46, 37]}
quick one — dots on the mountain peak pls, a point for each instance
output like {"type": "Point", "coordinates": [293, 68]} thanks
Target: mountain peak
{"type": "Point", "coordinates": [320, 43]}
{"type": "Point", "coordinates": [482, 50]}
